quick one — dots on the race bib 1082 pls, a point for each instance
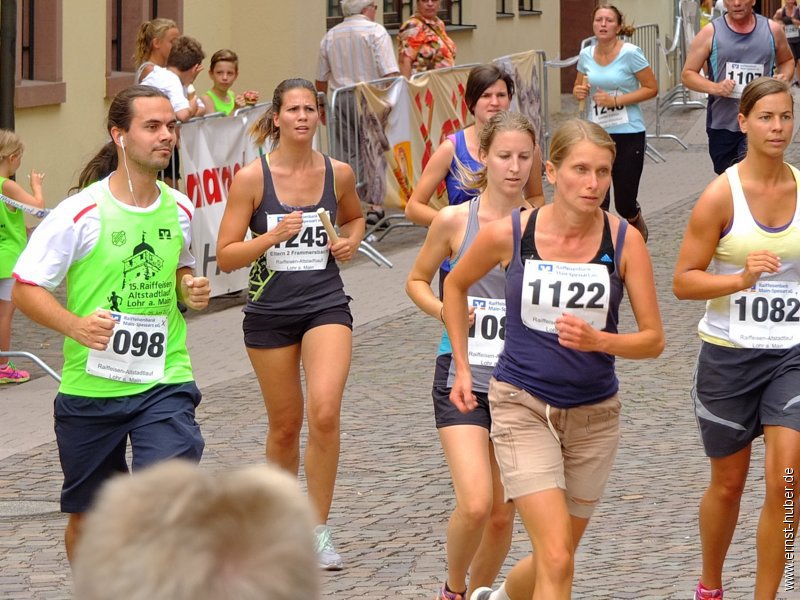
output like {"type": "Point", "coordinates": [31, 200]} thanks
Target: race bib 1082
{"type": "Point", "coordinates": [766, 316]}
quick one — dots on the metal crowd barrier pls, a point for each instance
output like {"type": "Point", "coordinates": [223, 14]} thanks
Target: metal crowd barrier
{"type": "Point", "coordinates": [34, 358]}
{"type": "Point", "coordinates": [647, 38]}
{"type": "Point", "coordinates": [686, 22]}
{"type": "Point", "coordinates": [344, 140]}
{"type": "Point", "coordinates": [344, 144]}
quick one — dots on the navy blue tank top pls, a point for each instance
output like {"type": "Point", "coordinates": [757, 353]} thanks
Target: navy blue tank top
{"type": "Point", "coordinates": [533, 360]}
{"type": "Point", "coordinates": [293, 292]}
{"type": "Point", "coordinates": [455, 193]}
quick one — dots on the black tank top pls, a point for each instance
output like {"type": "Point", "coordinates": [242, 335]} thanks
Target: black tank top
{"type": "Point", "coordinates": [293, 292]}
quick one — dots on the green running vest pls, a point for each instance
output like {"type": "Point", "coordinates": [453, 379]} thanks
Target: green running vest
{"type": "Point", "coordinates": [13, 236]}
{"type": "Point", "coordinates": [131, 269]}
{"type": "Point", "coordinates": [223, 106]}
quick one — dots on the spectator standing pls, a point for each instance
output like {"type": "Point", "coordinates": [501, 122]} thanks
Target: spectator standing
{"type": "Point", "coordinates": [224, 71]}
{"type": "Point", "coordinates": [153, 45]}
{"type": "Point", "coordinates": [357, 49]}
{"type": "Point", "coordinates": [734, 49]}
{"type": "Point", "coordinates": [183, 65]}
{"type": "Point", "coordinates": [424, 43]}
{"type": "Point", "coordinates": [127, 372]}
{"type": "Point", "coordinates": [13, 237]}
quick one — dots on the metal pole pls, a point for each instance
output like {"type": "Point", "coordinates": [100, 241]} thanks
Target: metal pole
{"type": "Point", "coordinates": [8, 60]}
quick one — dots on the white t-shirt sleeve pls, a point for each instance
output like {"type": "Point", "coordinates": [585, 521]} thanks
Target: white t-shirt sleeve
{"type": "Point", "coordinates": [185, 216]}
{"type": "Point", "coordinates": [72, 229]}
{"type": "Point", "coordinates": [323, 66]}
{"type": "Point", "coordinates": [65, 236]}
{"type": "Point", "coordinates": [169, 83]}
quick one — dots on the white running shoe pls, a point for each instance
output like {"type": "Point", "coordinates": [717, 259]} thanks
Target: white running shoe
{"type": "Point", "coordinates": [482, 593]}
{"type": "Point", "coordinates": [327, 557]}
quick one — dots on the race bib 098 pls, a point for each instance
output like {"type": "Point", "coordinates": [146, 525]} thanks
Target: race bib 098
{"type": "Point", "coordinates": [136, 352]}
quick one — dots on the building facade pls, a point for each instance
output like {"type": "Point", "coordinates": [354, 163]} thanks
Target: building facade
{"type": "Point", "coordinates": [73, 56]}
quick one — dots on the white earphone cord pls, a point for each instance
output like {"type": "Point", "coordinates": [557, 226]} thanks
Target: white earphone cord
{"type": "Point", "coordinates": [127, 172]}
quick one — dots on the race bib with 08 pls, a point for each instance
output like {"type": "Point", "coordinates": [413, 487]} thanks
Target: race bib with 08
{"type": "Point", "coordinates": [305, 251]}
{"type": "Point", "coordinates": [488, 332]}
{"type": "Point", "coordinates": [136, 352]}
{"type": "Point", "coordinates": [766, 316]}
{"type": "Point", "coordinates": [551, 289]}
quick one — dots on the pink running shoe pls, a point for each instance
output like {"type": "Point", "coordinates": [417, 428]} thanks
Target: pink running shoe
{"type": "Point", "coordinates": [445, 594]}
{"type": "Point", "coordinates": [10, 374]}
{"type": "Point", "coordinates": [701, 593]}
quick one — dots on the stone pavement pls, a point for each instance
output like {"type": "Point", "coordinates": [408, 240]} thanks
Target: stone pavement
{"type": "Point", "coordinates": [393, 495]}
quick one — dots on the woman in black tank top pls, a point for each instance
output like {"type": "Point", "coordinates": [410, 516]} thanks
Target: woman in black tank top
{"type": "Point", "coordinates": [297, 311]}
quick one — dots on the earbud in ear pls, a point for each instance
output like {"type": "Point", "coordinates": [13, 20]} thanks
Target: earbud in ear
{"type": "Point", "coordinates": [122, 142]}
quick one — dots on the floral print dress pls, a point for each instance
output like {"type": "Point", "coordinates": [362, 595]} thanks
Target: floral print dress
{"type": "Point", "coordinates": [427, 44]}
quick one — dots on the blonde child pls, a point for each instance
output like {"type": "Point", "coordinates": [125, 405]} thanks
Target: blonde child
{"type": "Point", "coordinates": [223, 73]}
{"type": "Point", "coordinates": [13, 238]}
{"type": "Point", "coordinates": [153, 44]}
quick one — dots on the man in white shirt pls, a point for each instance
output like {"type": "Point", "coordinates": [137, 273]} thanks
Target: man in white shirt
{"type": "Point", "coordinates": [357, 49]}
{"type": "Point", "coordinates": [184, 63]}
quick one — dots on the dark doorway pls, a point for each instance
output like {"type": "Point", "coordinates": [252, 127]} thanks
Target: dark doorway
{"type": "Point", "coordinates": [576, 25]}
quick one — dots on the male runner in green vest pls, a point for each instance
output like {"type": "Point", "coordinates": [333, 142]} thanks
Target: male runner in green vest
{"type": "Point", "coordinates": [122, 244]}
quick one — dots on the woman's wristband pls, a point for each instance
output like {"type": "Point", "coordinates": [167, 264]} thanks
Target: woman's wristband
{"type": "Point", "coordinates": [616, 104]}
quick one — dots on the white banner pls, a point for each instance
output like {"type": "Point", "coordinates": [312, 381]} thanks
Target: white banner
{"type": "Point", "coordinates": [212, 151]}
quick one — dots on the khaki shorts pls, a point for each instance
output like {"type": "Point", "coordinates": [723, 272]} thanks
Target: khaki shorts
{"type": "Point", "coordinates": [533, 459]}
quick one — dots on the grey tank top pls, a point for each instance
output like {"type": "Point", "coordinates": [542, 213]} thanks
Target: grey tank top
{"type": "Point", "coordinates": [293, 292]}
{"type": "Point", "coordinates": [138, 77]}
{"type": "Point", "coordinates": [728, 48]}
{"type": "Point", "coordinates": [492, 285]}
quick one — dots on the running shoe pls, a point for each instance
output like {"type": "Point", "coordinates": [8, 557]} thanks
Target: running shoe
{"type": "Point", "coordinates": [327, 558]}
{"type": "Point", "coordinates": [445, 594]}
{"type": "Point", "coordinates": [11, 374]}
{"type": "Point", "coordinates": [701, 593]}
{"type": "Point", "coordinates": [482, 593]}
